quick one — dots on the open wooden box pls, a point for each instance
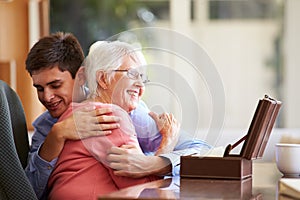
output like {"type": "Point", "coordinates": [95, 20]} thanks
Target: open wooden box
{"type": "Point", "coordinates": [238, 166]}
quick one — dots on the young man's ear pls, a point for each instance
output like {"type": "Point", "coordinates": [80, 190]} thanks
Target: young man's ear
{"type": "Point", "coordinates": [80, 76]}
{"type": "Point", "coordinates": [79, 92]}
{"type": "Point", "coordinates": [101, 79]}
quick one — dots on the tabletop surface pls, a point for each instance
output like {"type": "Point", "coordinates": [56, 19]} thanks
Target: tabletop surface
{"type": "Point", "coordinates": [262, 185]}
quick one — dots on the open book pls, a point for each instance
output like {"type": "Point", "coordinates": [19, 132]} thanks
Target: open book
{"type": "Point", "coordinates": [290, 187]}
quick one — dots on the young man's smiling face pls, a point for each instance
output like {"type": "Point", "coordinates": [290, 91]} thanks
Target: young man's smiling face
{"type": "Point", "coordinates": [54, 89]}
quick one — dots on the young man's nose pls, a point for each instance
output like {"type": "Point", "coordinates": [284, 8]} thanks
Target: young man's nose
{"type": "Point", "coordinates": [48, 95]}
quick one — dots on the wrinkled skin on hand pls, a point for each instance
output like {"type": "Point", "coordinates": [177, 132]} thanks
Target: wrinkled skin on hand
{"type": "Point", "coordinates": [90, 121]}
{"type": "Point", "coordinates": [130, 161]}
{"type": "Point", "coordinates": [85, 122]}
{"type": "Point", "coordinates": [169, 129]}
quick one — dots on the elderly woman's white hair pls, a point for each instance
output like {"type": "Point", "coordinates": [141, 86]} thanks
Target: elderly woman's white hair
{"type": "Point", "coordinates": [105, 55]}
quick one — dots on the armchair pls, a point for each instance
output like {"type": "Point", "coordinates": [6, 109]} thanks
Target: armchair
{"type": "Point", "coordinates": [14, 147]}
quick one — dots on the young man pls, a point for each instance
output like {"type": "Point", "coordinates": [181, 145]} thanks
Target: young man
{"type": "Point", "coordinates": [53, 63]}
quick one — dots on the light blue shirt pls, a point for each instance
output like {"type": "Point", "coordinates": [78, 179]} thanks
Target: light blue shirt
{"type": "Point", "coordinates": [39, 170]}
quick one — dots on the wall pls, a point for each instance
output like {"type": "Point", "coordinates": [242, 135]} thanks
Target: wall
{"type": "Point", "coordinates": [292, 61]}
{"type": "Point", "coordinates": [14, 46]}
{"type": "Point", "coordinates": [240, 50]}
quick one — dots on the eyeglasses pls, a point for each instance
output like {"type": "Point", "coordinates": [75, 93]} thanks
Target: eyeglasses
{"type": "Point", "coordinates": [134, 74]}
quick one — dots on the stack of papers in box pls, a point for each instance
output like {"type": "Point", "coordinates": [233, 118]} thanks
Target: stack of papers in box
{"type": "Point", "coordinates": [290, 187]}
{"type": "Point", "coordinates": [213, 152]}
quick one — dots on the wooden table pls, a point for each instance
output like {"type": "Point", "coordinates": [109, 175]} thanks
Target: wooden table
{"type": "Point", "coordinates": [262, 185]}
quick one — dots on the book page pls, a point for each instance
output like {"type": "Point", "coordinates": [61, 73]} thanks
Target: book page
{"type": "Point", "coordinates": [290, 187]}
{"type": "Point", "coordinates": [214, 152]}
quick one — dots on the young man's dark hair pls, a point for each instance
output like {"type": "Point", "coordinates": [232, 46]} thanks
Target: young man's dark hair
{"type": "Point", "coordinates": [59, 49]}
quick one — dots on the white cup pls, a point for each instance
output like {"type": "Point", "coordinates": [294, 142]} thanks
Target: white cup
{"type": "Point", "coordinates": [288, 159]}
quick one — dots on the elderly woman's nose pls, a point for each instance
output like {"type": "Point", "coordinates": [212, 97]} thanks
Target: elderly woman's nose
{"type": "Point", "coordinates": [139, 82]}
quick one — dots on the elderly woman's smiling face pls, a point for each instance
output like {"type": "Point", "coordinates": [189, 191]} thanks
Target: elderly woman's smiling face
{"type": "Point", "coordinates": [127, 91]}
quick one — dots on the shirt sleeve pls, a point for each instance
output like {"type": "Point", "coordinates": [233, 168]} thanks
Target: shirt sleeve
{"type": "Point", "coordinates": [186, 145]}
{"type": "Point", "coordinates": [37, 169]}
{"type": "Point", "coordinates": [147, 132]}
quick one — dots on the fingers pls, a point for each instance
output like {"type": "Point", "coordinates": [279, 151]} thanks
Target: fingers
{"type": "Point", "coordinates": [128, 146]}
{"type": "Point", "coordinates": [168, 117]}
{"type": "Point", "coordinates": [164, 121]}
{"type": "Point", "coordinates": [104, 115]}
{"type": "Point", "coordinates": [154, 116]}
{"type": "Point", "coordinates": [116, 150]}
{"type": "Point", "coordinates": [161, 117]}
{"type": "Point", "coordinates": [103, 111]}
{"type": "Point", "coordinates": [106, 119]}
{"type": "Point", "coordinates": [169, 128]}
{"type": "Point", "coordinates": [115, 157]}
{"type": "Point", "coordinates": [117, 166]}
{"type": "Point", "coordinates": [105, 127]}
{"type": "Point", "coordinates": [119, 154]}
{"type": "Point", "coordinates": [89, 130]}
{"type": "Point", "coordinates": [85, 134]}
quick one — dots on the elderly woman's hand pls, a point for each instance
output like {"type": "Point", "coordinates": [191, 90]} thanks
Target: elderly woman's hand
{"type": "Point", "coordinates": [169, 129]}
{"type": "Point", "coordinates": [128, 160]}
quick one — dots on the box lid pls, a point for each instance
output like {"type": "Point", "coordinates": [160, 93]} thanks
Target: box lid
{"type": "Point", "coordinates": [259, 131]}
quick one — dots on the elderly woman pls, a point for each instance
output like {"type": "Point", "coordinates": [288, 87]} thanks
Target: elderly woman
{"type": "Point", "coordinates": [115, 79]}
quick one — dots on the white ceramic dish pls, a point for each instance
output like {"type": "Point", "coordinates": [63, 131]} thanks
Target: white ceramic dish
{"type": "Point", "coordinates": [288, 159]}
